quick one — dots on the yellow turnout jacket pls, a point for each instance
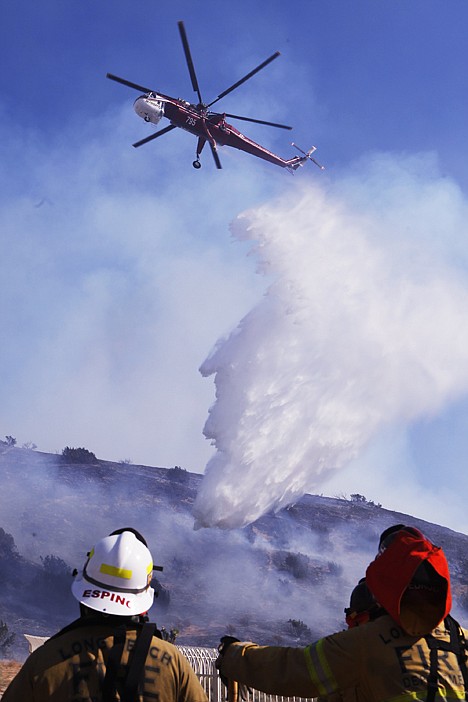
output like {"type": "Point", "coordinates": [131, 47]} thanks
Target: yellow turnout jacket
{"type": "Point", "coordinates": [375, 662]}
{"type": "Point", "coordinates": [71, 668]}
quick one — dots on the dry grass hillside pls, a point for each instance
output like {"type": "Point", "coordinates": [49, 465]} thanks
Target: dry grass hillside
{"type": "Point", "coordinates": [8, 670]}
{"type": "Point", "coordinates": [284, 579]}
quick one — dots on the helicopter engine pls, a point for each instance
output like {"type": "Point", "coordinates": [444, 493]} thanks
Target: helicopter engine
{"type": "Point", "coordinates": [149, 108]}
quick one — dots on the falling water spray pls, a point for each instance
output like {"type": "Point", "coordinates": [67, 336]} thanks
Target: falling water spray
{"type": "Point", "coordinates": [363, 324]}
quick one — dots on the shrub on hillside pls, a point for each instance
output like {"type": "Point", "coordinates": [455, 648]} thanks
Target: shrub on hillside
{"type": "Point", "coordinates": [30, 445]}
{"type": "Point", "coordinates": [178, 474]}
{"type": "Point", "coordinates": [8, 548]}
{"type": "Point", "coordinates": [6, 639]}
{"type": "Point", "coordinates": [334, 568]}
{"type": "Point", "coordinates": [51, 583]}
{"type": "Point", "coordinates": [300, 630]}
{"type": "Point", "coordinates": [163, 595]}
{"type": "Point", "coordinates": [297, 564]}
{"type": "Point", "coordinates": [78, 455]}
{"type": "Point", "coordinates": [9, 560]}
{"type": "Point", "coordinates": [357, 498]}
{"type": "Point", "coordinates": [56, 568]}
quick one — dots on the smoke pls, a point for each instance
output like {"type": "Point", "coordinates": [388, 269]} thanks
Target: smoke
{"type": "Point", "coordinates": [117, 273]}
{"type": "Point", "coordinates": [250, 582]}
{"type": "Point", "coordinates": [363, 326]}
{"type": "Point", "coordinates": [211, 576]}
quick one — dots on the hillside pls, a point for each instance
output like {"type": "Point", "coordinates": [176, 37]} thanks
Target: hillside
{"type": "Point", "coordinates": [284, 578]}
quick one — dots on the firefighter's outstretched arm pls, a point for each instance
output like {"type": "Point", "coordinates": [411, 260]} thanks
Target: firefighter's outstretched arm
{"type": "Point", "coordinates": [271, 669]}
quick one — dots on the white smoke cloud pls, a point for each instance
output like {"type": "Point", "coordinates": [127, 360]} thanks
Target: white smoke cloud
{"type": "Point", "coordinates": [117, 273]}
{"type": "Point", "coordinates": [363, 325]}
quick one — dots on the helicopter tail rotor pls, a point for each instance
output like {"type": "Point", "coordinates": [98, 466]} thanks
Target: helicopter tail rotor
{"type": "Point", "coordinates": [300, 160]}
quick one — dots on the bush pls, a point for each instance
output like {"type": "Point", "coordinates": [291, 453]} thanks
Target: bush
{"type": "Point", "coordinates": [30, 445]}
{"type": "Point", "coordinates": [162, 594]}
{"type": "Point", "coordinates": [7, 546]}
{"type": "Point", "coordinates": [297, 564]}
{"type": "Point", "coordinates": [356, 497]}
{"type": "Point", "coordinates": [6, 639]}
{"type": "Point", "coordinates": [51, 583]}
{"type": "Point", "coordinates": [56, 567]}
{"type": "Point", "coordinates": [10, 570]}
{"type": "Point", "coordinates": [334, 568]}
{"type": "Point", "coordinates": [300, 630]}
{"type": "Point", "coordinates": [179, 474]}
{"type": "Point", "coordinates": [78, 455]}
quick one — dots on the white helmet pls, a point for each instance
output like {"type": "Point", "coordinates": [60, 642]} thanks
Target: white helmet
{"type": "Point", "coordinates": [116, 577]}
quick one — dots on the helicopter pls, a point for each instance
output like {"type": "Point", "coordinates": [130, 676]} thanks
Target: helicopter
{"type": "Point", "coordinates": [198, 119]}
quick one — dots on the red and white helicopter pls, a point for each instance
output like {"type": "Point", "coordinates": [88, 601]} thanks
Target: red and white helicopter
{"type": "Point", "coordinates": [205, 124]}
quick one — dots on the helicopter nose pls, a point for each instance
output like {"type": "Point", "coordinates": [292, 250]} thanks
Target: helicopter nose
{"type": "Point", "coordinates": [140, 106]}
{"type": "Point", "coordinates": [151, 110]}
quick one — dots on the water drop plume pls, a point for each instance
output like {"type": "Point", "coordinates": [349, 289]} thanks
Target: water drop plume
{"type": "Point", "coordinates": [363, 324]}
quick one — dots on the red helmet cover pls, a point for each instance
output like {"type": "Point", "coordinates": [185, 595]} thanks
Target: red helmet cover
{"type": "Point", "coordinates": [389, 579]}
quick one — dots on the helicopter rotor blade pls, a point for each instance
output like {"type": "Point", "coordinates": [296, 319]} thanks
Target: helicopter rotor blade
{"type": "Point", "coordinates": [245, 78]}
{"type": "Point", "coordinates": [258, 121]}
{"type": "Point", "coordinates": [128, 83]}
{"type": "Point", "coordinates": [215, 156]}
{"type": "Point", "coordinates": [154, 136]}
{"type": "Point", "coordinates": [188, 58]}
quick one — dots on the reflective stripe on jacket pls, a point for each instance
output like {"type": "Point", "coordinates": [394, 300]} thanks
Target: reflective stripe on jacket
{"type": "Point", "coordinates": [377, 662]}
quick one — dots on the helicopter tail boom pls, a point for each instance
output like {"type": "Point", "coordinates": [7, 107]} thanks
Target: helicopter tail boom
{"type": "Point", "coordinates": [294, 163]}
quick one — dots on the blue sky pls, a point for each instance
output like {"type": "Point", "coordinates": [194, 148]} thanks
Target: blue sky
{"type": "Point", "coordinates": [119, 272]}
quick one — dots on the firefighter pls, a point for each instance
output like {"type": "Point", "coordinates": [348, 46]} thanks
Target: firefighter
{"type": "Point", "coordinates": [111, 651]}
{"type": "Point", "coordinates": [362, 606]}
{"type": "Point", "coordinates": [415, 652]}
